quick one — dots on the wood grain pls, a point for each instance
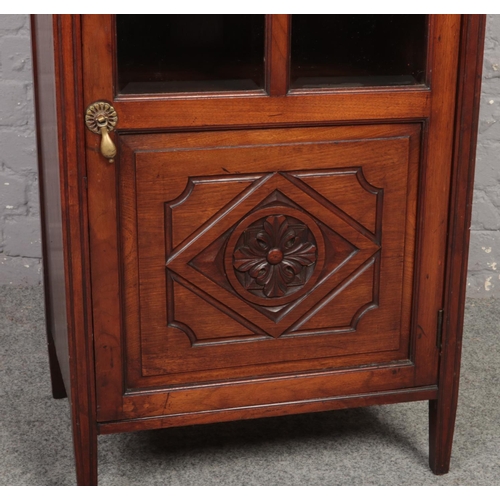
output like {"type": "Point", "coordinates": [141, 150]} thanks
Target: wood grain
{"type": "Point", "coordinates": [278, 53]}
{"type": "Point", "coordinates": [289, 408]}
{"type": "Point", "coordinates": [130, 181]}
{"type": "Point", "coordinates": [201, 111]}
{"type": "Point", "coordinates": [375, 175]}
{"type": "Point", "coordinates": [60, 35]}
{"type": "Point", "coordinates": [433, 208]}
{"type": "Point", "coordinates": [442, 411]}
{"type": "Point", "coordinates": [51, 217]}
{"type": "Point", "coordinates": [268, 390]}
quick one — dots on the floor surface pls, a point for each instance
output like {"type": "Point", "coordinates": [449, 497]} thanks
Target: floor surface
{"type": "Point", "coordinates": [384, 445]}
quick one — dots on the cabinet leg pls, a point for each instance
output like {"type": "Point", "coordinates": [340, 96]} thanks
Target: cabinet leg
{"type": "Point", "coordinates": [58, 389]}
{"type": "Point", "coordinates": [85, 444]}
{"type": "Point", "coordinates": [442, 414]}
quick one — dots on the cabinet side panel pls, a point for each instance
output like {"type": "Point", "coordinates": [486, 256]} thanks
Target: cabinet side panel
{"type": "Point", "coordinates": [442, 412]}
{"type": "Point", "coordinates": [50, 194]}
{"type": "Point", "coordinates": [59, 80]}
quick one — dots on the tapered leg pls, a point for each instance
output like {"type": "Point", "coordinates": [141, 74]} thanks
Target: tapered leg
{"type": "Point", "coordinates": [85, 444]}
{"type": "Point", "coordinates": [58, 389]}
{"type": "Point", "coordinates": [442, 414]}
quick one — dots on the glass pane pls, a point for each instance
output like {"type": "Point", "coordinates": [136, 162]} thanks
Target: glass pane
{"type": "Point", "coordinates": [357, 50]}
{"type": "Point", "coordinates": [189, 53]}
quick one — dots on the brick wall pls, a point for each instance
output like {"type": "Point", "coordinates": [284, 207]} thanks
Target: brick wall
{"type": "Point", "coordinates": [20, 254]}
{"type": "Point", "coordinates": [20, 251]}
{"type": "Point", "coordinates": [484, 256]}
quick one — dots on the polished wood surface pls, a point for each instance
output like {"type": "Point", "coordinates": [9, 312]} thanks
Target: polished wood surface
{"type": "Point", "coordinates": [51, 216]}
{"type": "Point", "coordinates": [202, 258]}
{"type": "Point", "coordinates": [437, 155]}
{"type": "Point", "coordinates": [341, 402]}
{"type": "Point", "coordinates": [333, 321]}
{"type": "Point", "coordinates": [230, 110]}
{"type": "Point", "coordinates": [442, 411]}
{"type": "Point", "coordinates": [60, 108]}
{"type": "Point", "coordinates": [256, 253]}
{"type": "Point", "coordinates": [278, 49]}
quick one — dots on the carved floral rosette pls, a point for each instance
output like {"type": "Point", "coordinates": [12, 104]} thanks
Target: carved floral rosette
{"type": "Point", "coordinates": [273, 255]}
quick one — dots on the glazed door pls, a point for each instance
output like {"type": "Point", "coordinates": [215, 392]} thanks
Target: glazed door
{"type": "Point", "coordinates": [271, 228]}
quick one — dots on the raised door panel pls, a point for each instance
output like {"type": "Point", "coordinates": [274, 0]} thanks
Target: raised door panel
{"type": "Point", "coordinates": [265, 253]}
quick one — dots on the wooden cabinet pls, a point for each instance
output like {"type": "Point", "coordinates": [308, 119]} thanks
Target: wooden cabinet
{"type": "Point", "coordinates": [248, 215]}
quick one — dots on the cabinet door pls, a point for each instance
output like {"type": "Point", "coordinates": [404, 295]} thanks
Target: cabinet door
{"type": "Point", "coordinates": [240, 259]}
{"type": "Point", "coordinates": [267, 252]}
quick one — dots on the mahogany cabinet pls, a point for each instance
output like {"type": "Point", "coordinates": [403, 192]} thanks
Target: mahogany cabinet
{"type": "Point", "coordinates": [254, 215]}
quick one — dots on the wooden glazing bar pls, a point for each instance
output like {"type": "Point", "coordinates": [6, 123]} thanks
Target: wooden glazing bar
{"type": "Point", "coordinates": [277, 53]}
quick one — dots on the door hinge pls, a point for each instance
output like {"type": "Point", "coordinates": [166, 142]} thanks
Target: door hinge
{"type": "Point", "coordinates": [439, 336]}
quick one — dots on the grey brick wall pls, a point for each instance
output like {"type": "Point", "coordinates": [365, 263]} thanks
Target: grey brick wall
{"type": "Point", "coordinates": [20, 254]}
{"type": "Point", "coordinates": [20, 251]}
{"type": "Point", "coordinates": [484, 256]}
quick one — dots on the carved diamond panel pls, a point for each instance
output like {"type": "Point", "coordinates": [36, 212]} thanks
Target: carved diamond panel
{"type": "Point", "coordinates": [277, 245]}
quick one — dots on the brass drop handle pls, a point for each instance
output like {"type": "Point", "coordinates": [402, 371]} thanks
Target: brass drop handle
{"type": "Point", "coordinates": [108, 149]}
{"type": "Point", "coordinates": [101, 118]}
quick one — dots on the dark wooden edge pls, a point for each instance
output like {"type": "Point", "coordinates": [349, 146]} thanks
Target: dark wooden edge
{"type": "Point", "coordinates": [271, 410]}
{"type": "Point", "coordinates": [58, 385]}
{"type": "Point", "coordinates": [277, 51]}
{"type": "Point", "coordinates": [68, 29]}
{"type": "Point", "coordinates": [443, 410]}
{"type": "Point", "coordinates": [69, 164]}
{"type": "Point", "coordinates": [431, 26]}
